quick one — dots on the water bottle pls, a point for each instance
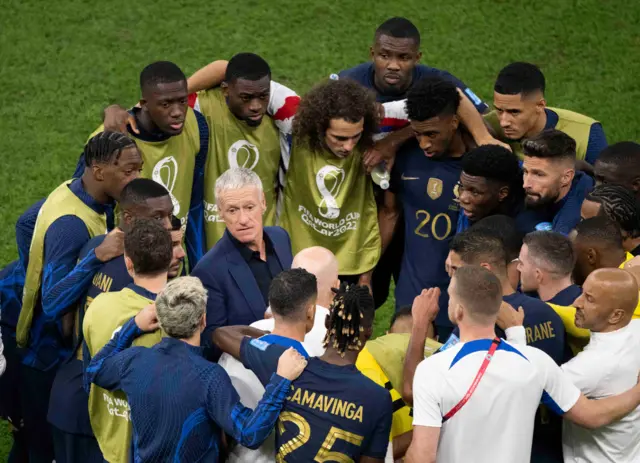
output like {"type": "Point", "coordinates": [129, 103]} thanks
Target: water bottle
{"type": "Point", "coordinates": [380, 176]}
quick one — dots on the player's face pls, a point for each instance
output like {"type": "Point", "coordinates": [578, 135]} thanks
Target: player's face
{"type": "Point", "coordinates": [248, 99]}
{"type": "Point", "coordinates": [435, 135]}
{"type": "Point", "coordinates": [543, 180]}
{"type": "Point", "coordinates": [608, 173]}
{"type": "Point", "coordinates": [453, 263]}
{"type": "Point", "coordinates": [178, 253]}
{"type": "Point", "coordinates": [242, 210]}
{"type": "Point", "coordinates": [343, 136]}
{"type": "Point", "coordinates": [166, 105]}
{"type": "Point", "coordinates": [592, 306]}
{"type": "Point", "coordinates": [394, 60]}
{"type": "Point", "coordinates": [479, 198]}
{"type": "Point", "coordinates": [518, 115]}
{"type": "Point", "coordinates": [453, 311]}
{"type": "Point", "coordinates": [528, 280]}
{"type": "Point", "coordinates": [589, 209]}
{"type": "Point", "coordinates": [584, 259]}
{"type": "Point", "coordinates": [159, 208]}
{"type": "Point", "coordinates": [117, 175]}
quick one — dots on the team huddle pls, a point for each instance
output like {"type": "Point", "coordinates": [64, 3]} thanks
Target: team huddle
{"type": "Point", "coordinates": [203, 287]}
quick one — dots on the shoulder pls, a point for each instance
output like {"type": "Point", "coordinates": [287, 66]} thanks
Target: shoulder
{"type": "Point", "coordinates": [359, 73]}
{"type": "Point", "coordinates": [214, 255]}
{"type": "Point", "coordinates": [276, 232]}
{"type": "Point", "coordinates": [92, 244]}
{"type": "Point", "coordinates": [422, 71]}
{"type": "Point", "coordinates": [572, 116]}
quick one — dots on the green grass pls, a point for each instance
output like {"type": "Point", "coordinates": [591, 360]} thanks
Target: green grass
{"type": "Point", "coordinates": [63, 61]}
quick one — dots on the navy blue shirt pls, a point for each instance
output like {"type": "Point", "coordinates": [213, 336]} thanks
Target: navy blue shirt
{"type": "Point", "coordinates": [427, 190]}
{"type": "Point", "coordinates": [65, 278]}
{"type": "Point", "coordinates": [567, 296]}
{"type": "Point", "coordinates": [179, 401]}
{"type": "Point", "coordinates": [364, 75]}
{"type": "Point", "coordinates": [543, 326]}
{"type": "Point", "coordinates": [561, 216]}
{"type": "Point", "coordinates": [263, 271]}
{"type": "Point", "coordinates": [597, 139]}
{"type": "Point", "coordinates": [330, 408]}
{"type": "Point", "coordinates": [11, 286]}
{"type": "Point", "coordinates": [68, 405]}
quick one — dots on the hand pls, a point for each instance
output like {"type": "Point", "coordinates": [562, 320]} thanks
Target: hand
{"type": "Point", "coordinates": [291, 364]}
{"type": "Point", "coordinates": [147, 319]}
{"type": "Point", "coordinates": [365, 280]}
{"type": "Point", "coordinates": [382, 150]}
{"type": "Point", "coordinates": [489, 140]}
{"type": "Point", "coordinates": [425, 307]}
{"type": "Point", "coordinates": [117, 118]}
{"type": "Point", "coordinates": [112, 246]}
{"type": "Point", "coordinates": [509, 317]}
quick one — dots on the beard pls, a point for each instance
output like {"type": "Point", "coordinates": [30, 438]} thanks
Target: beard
{"type": "Point", "coordinates": [535, 201]}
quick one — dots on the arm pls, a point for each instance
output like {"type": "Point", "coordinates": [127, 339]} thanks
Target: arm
{"type": "Point", "coordinates": [474, 123]}
{"type": "Point", "coordinates": [388, 218]}
{"type": "Point", "coordinates": [251, 427]}
{"type": "Point", "coordinates": [401, 445]}
{"type": "Point", "coordinates": [64, 279]}
{"type": "Point", "coordinates": [104, 369]}
{"type": "Point", "coordinates": [597, 142]}
{"type": "Point", "coordinates": [194, 235]}
{"type": "Point", "coordinates": [24, 231]}
{"type": "Point", "coordinates": [209, 76]}
{"type": "Point", "coordinates": [424, 311]}
{"type": "Point", "coordinates": [593, 414]}
{"type": "Point", "coordinates": [229, 338]}
{"type": "Point", "coordinates": [424, 445]}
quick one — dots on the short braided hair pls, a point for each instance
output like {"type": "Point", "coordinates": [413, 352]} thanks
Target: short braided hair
{"type": "Point", "coordinates": [620, 205]}
{"type": "Point", "coordinates": [351, 312]}
{"type": "Point", "coordinates": [105, 148]}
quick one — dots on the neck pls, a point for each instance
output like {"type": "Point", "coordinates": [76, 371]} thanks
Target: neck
{"type": "Point", "coordinates": [548, 290]}
{"type": "Point", "coordinates": [295, 331]}
{"type": "Point", "coordinates": [506, 286]}
{"type": "Point", "coordinates": [332, 356]}
{"type": "Point", "coordinates": [193, 340]}
{"type": "Point", "coordinates": [631, 244]}
{"type": "Point", "coordinates": [145, 121]}
{"type": "Point", "coordinates": [92, 188]}
{"type": "Point", "coordinates": [258, 245]}
{"type": "Point", "coordinates": [613, 259]}
{"type": "Point", "coordinates": [474, 332]}
{"type": "Point", "coordinates": [325, 300]}
{"type": "Point", "coordinates": [457, 147]}
{"type": "Point", "coordinates": [538, 126]}
{"type": "Point", "coordinates": [154, 284]}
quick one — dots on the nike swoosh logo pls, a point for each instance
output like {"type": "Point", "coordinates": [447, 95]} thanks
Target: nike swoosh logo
{"type": "Point", "coordinates": [409, 178]}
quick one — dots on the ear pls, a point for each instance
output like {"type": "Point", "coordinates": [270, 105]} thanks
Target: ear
{"type": "Point", "coordinates": [263, 203]}
{"type": "Point", "coordinates": [418, 56]}
{"type": "Point", "coordinates": [635, 183]}
{"type": "Point", "coordinates": [616, 316]}
{"type": "Point", "coordinates": [592, 256]}
{"type": "Point", "coordinates": [98, 172]}
{"type": "Point", "coordinates": [539, 276]}
{"type": "Point", "coordinates": [541, 104]}
{"type": "Point", "coordinates": [487, 266]}
{"type": "Point", "coordinates": [567, 176]}
{"type": "Point", "coordinates": [129, 264]}
{"type": "Point", "coordinates": [455, 122]}
{"type": "Point", "coordinates": [311, 313]}
{"type": "Point", "coordinates": [203, 322]}
{"type": "Point", "coordinates": [126, 217]}
{"type": "Point", "coordinates": [143, 104]}
{"type": "Point", "coordinates": [503, 193]}
{"type": "Point", "coordinates": [225, 89]}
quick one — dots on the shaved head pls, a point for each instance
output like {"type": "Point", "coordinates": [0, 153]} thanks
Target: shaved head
{"type": "Point", "coordinates": [323, 264]}
{"type": "Point", "coordinates": [609, 298]}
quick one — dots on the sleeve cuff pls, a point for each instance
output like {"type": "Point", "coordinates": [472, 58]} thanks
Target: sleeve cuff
{"type": "Point", "coordinates": [516, 335]}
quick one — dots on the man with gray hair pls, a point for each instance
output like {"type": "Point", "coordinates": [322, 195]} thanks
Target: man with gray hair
{"type": "Point", "coordinates": [238, 270]}
{"type": "Point", "coordinates": [179, 401]}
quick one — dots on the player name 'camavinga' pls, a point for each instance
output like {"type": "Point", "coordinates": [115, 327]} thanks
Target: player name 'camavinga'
{"type": "Point", "coordinates": [326, 404]}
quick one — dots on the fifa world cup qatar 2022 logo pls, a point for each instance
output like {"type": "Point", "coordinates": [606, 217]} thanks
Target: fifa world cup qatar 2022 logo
{"type": "Point", "coordinates": [243, 154]}
{"type": "Point", "coordinates": [329, 180]}
{"type": "Point", "coordinates": [165, 173]}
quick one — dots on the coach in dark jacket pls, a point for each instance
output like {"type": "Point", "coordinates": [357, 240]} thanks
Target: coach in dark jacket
{"type": "Point", "coordinates": [238, 270]}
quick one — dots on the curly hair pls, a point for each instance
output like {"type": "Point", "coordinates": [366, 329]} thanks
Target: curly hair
{"type": "Point", "coordinates": [335, 99]}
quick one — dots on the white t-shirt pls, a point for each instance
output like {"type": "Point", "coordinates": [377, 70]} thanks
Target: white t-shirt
{"type": "Point", "coordinates": [609, 365]}
{"type": "Point", "coordinates": [251, 390]}
{"type": "Point", "coordinates": [496, 423]}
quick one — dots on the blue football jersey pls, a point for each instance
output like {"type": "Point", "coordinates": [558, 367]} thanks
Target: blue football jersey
{"type": "Point", "coordinates": [333, 413]}
{"type": "Point", "coordinates": [428, 191]}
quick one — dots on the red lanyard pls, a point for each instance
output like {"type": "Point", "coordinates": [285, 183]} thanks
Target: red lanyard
{"type": "Point", "coordinates": [476, 381]}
